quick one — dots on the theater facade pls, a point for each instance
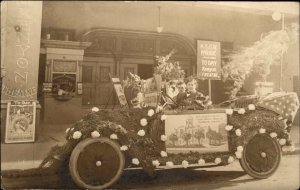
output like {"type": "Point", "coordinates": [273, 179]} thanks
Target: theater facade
{"type": "Point", "coordinates": [49, 46]}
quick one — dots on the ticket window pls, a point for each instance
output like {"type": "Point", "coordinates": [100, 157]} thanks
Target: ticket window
{"type": "Point", "coordinates": [63, 78]}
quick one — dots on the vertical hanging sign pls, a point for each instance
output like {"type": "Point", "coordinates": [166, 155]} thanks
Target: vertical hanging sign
{"type": "Point", "coordinates": [22, 32]}
{"type": "Point", "coordinates": [208, 60]}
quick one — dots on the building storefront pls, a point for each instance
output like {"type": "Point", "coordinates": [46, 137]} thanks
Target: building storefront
{"type": "Point", "coordinates": [83, 42]}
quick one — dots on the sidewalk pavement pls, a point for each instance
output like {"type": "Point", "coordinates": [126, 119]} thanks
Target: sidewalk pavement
{"type": "Point", "coordinates": [30, 155]}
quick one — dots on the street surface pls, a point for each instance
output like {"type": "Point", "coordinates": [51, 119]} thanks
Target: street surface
{"type": "Point", "coordinates": [230, 177]}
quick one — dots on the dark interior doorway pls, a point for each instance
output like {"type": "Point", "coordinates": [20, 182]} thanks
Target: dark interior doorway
{"type": "Point", "coordinates": [145, 71]}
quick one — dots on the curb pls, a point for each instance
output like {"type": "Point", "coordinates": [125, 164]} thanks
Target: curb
{"type": "Point", "coordinates": [295, 152]}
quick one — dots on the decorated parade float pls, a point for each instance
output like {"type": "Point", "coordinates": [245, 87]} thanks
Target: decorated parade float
{"type": "Point", "coordinates": [152, 132]}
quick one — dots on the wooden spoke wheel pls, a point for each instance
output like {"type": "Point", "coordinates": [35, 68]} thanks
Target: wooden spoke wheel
{"type": "Point", "coordinates": [261, 156]}
{"type": "Point", "coordinates": [96, 163]}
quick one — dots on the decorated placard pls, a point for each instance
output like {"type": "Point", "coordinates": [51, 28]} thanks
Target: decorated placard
{"type": "Point", "coordinates": [208, 60]}
{"type": "Point", "coordinates": [20, 122]}
{"type": "Point", "coordinates": [119, 91]}
{"type": "Point", "coordinates": [198, 132]}
{"type": "Point", "coordinates": [150, 91]}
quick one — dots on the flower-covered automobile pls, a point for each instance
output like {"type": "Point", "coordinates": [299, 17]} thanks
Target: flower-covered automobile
{"type": "Point", "coordinates": [104, 143]}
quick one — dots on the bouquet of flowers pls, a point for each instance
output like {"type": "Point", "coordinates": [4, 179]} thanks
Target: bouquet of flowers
{"type": "Point", "coordinates": [167, 69]}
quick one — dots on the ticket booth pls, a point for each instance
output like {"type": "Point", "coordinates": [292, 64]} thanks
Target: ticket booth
{"type": "Point", "coordinates": [62, 86]}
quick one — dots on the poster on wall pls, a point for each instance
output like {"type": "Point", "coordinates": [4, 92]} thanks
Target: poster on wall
{"type": "Point", "coordinates": [197, 132]}
{"type": "Point", "coordinates": [20, 122]}
{"type": "Point", "coordinates": [208, 60]}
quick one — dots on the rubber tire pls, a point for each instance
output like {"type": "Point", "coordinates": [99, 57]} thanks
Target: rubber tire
{"type": "Point", "coordinates": [75, 155]}
{"type": "Point", "coordinates": [245, 163]}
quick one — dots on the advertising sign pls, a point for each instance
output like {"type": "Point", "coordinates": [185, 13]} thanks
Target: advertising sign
{"type": "Point", "coordinates": [21, 49]}
{"type": "Point", "coordinates": [208, 60]}
{"type": "Point", "coordinates": [20, 122]}
{"type": "Point", "coordinates": [197, 132]}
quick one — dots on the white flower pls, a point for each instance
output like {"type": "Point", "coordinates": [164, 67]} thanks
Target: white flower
{"type": "Point", "coordinates": [282, 141]}
{"type": "Point", "coordinates": [67, 130]}
{"type": "Point", "coordinates": [155, 163]}
{"type": "Point", "coordinates": [229, 127]}
{"type": "Point", "coordinates": [238, 132]}
{"type": "Point", "coordinates": [163, 117]}
{"type": "Point", "coordinates": [229, 111]}
{"type": "Point", "coordinates": [241, 111]}
{"type": "Point", "coordinates": [141, 133]}
{"type": "Point", "coordinates": [262, 130]}
{"type": "Point", "coordinates": [209, 103]}
{"type": "Point", "coordinates": [230, 159]}
{"type": "Point", "coordinates": [251, 107]}
{"type": "Point", "coordinates": [185, 163]}
{"type": "Point", "coordinates": [113, 136]}
{"type": "Point", "coordinates": [150, 112]}
{"type": "Point", "coordinates": [291, 148]}
{"type": "Point", "coordinates": [135, 161]}
{"type": "Point", "coordinates": [163, 137]}
{"type": "Point", "coordinates": [201, 162]}
{"type": "Point", "coordinates": [143, 122]}
{"type": "Point", "coordinates": [77, 135]}
{"type": "Point", "coordinates": [124, 148]}
{"type": "Point", "coordinates": [163, 154]}
{"type": "Point", "coordinates": [98, 163]}
{"type": "Point", "coordinates": [158, 109]}
{"type": "Point", "coordinates": [169, 164]}
{"type": "Point", "coordinates": [238, 154]}
{"type": "Point", "coordinates": [273, 134]}
{"type": "Point", "coordinates": [218, 160]}
{"type": "Point", "coordinates": [95, 134]}
{"type": "Point", "coordinates": [240, 149]}
{"type": "Point", "coordinates": [95, 109]}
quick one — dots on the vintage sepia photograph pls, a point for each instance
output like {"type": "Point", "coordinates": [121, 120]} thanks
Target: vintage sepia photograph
{"type": "Point", "coordinates": [158, 95]}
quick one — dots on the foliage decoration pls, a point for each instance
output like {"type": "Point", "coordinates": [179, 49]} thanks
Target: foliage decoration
{"type": "Point", "coordinates": [257, 58]}
{"type": "Point", "coordinates": [167, 69]}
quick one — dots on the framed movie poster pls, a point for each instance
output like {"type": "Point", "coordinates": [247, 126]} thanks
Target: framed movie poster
{"type": "Point", "coordinates": [199, 131]}
{"type": "Point", "coordinates": [20, 122]}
